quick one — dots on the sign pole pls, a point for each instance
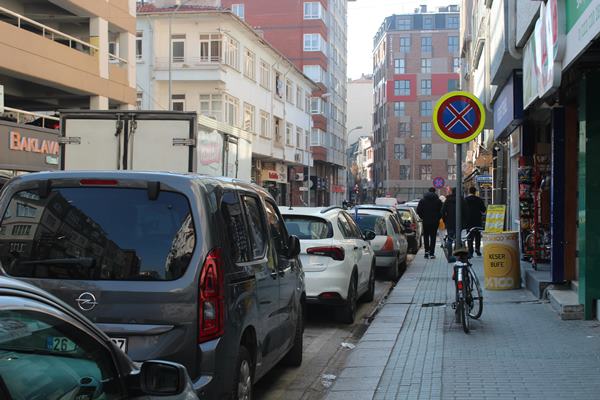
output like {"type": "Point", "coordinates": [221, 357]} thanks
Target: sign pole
{"type": "Point", "coordinates": [458, 238]}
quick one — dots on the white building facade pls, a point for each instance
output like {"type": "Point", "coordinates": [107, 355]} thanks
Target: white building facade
{"type": "Point", "coordinates": [253, 103]}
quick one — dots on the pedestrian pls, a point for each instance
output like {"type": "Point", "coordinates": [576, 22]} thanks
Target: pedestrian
{"type": "Point", "coordinates": [430, 212]}
{"type": "Point", "coordinates": [449, 213]}
{"type": "Point", "coordinates": [474, 218]}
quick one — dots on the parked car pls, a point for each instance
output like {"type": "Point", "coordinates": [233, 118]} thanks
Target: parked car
{"type": "Point", "coordinates": [337, 258]}
{"type": "Point", "coordinates": [188, 268]}
{"type": "Point", "coordinates": [50, 351]}
{"type": "Point", "coordinates": [390, 244]}
{"type": "Point", "coordinates": [413, 225]}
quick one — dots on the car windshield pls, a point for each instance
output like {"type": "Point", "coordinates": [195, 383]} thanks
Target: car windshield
{"type": "Point", "coordinates": [305, 227]}
{"type": "Point", "coordinates": [97, 233]}
{"type": "Point", "coordinates": [368, 222]}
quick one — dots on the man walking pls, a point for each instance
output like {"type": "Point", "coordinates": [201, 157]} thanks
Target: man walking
{"type": "Point", "coordinates": [430, 211]}
{"type": "Point", "coordinates": [449, 213]}
{"type": "Point", "coordinates": [475, 208]}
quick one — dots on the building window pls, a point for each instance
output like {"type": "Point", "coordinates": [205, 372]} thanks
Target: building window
{"type": "Point", "coordinates": [452, 84]}
{"type": "Point", "coordinates": [426, 65]}
{"type": "Point", "coordinates": [211, 106]}
{"type": "Point", "coordinates": [21, 230]}
{"type": "Point", "coordinates": [289, 91]}
{"type": "Point", "coordinates": [453, 44]}
{"type": "Point", "coordinates": [456, 64]}
{"type": "Point", "coordinates": [426, 87]}
{"type": "Point", "coordinates": [210, 48]}
{"type": "Point", "coordinates": [250, 64]}
{"type": "Point", "coordinates": [426, 44]}
{"type": "Point", "coordinates": [404, 172]}
{"type": "Point", "coordinates": [299, 134]}
{"type": "Point", "coordinates": [232, 110]}
{"type": "Point", "coordinates": [289, 129]}
{"type": "Point", "coordinates": [307, 101]}
{"type": "Point", "coordinates": [139, 36]}
{"type": "Point", "coordinates": [312, 42]}
{"type": "Point", "coordinates": [113, 52]}
{"type": "Point", "coordinates": [314, 72]}
{"type": "Point", "coordinates": [451, 172]}
{"type": "Point", "coordinates": [239, 10]}
{"type": "Point", "coordinates": [139, 100]}
{"type": "Point", "coordinates": [426, 130]}
{"type": "Point", "coordinates": [425, 108]}
{"type": "Point", "coordinates": [425, 172]}
{"type": "Point", "coordinates": [402, 88]}
{"type": "Point", "coordinates": [23, 210]}
{"type": "Point", "coordinates": [317, 106]}
{"type": "Point", "coordinates": [316, 136]}
{"type": "Point", "coordinates": [405, 44]}
{"type": "Point", "coordinates": [399, 152]}
{"type": "Point", "coordinates": [178, 102]}
{"type": "Point", "coordinates": [428, 22]}
{"type": "Point", "coordinates": [279, 85]}
{"type": "Point", "coordinates": [404, 23]}
{"type": "Point", "coordinates": [452, 22]}
{"type": "Point", "coordinates": [277, 122]}
{"type": "Point", "coordinates": [425, 152]}
{"type": "Point", "coordinates": [232, 53]}
{"type": "Point", "coordinates": [300, 98]}
{"type": "Point", "coordinates": [403, 129]}
{"type": "Point", "coordinates": [178, 48]}
{"type": "Point", "coordinates": [312, 10]}
{"type": "Point", "coordinates": [264, 124]}
{"type": "Point", "coordinates": [399, 66]}
{"type": "Point", "coordinates": [265, 75]}
{"type": "Point", "coordinates": [399, 108]}
{"type": "Point", "coordinates": [249, 112]}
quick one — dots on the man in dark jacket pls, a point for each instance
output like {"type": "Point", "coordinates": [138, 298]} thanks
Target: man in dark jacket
{"type": "Point", "coordinates": [475, 209]}
{"type": "Point", "coordinates": [449, 213]}
{"type": "Point", "coordinates": [429, 210]}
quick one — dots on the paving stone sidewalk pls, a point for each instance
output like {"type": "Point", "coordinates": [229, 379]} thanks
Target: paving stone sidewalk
{"type": "Point", "coordinates": [520, 349]}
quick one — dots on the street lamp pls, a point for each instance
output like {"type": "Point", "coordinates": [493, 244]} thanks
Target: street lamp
{"type": "Point", "coordinates": [171, 51]}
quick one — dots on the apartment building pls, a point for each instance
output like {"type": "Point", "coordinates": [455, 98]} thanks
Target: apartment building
{"type": "Point", "coordinates": [415, 62]}
{"type": "Point", "coordinates": [253, 103]}
{"type": "Point", "coordinates": [313, 35]}
{"type": "Point", "coordinates": [57, 55]}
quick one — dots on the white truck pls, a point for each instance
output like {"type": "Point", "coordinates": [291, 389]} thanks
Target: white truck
{"type": "Point", "coordinates": [149, 141]}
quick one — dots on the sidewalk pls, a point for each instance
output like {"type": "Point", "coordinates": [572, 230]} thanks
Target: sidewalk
{"type": "Point", "coordinates": [520, 349]}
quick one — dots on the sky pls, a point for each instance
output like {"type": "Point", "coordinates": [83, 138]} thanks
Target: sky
{"type": "Point", "coordinates": [364, 19]}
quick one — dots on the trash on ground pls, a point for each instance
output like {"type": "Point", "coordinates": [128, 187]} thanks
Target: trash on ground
{"type": "Point", "coordinates": [348, 345]}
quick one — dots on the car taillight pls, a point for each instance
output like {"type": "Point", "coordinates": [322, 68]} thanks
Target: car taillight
{"type": "Point", "coordinates": [335, 252]}
{"type": "Point", "coordinates": [98, 182]}
{"type": "Point", "coordinates": [211, 298]}
{"type": "Point", "coordinates": [413, 226]}
{"type": "Point", "coordinates": [388, 245]}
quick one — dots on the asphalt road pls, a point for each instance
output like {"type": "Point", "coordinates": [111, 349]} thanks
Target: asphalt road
{"type": "Point", "coordinates": [323, 353]}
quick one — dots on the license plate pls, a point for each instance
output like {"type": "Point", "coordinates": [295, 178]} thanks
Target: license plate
{"type": "Point", "coordinates": [121, 343]}
{"type": "Point", "coordinates": [60, 344]}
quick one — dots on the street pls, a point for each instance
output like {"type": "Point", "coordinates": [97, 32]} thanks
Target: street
{"type": "Point", "coordinates": [324, 355]}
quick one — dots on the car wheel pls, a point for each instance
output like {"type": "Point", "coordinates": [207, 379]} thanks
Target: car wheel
{"type": "Point", "coordinates": [294, 357]}
{"type": "Point", "coordinates": [370, 294]}
{"type": "Point", "coordinates": [394, 271]}
{"type": "Point", "coordinates": [348, 312]}
{"type": "Point", "coordinates": [242, 382]}
{"type": "Point", "coordinates": [403, 266]}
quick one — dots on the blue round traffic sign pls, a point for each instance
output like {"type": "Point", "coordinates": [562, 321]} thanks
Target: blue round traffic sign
{"type": "Point", "coordinates": [438, 182]}
{"type": "Point", "coordinates": [459, 117]}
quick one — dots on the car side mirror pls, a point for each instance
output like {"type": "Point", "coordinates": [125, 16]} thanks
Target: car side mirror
{"type": "Point", "coordinates": [293, 246]}
{"type": "Point", "coordinates": [162, 378]}
{"type": "Point", "coordinates": [369, 235]}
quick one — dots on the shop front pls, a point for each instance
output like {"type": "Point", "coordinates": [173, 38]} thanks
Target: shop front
{"type": "Point", "coordinates": [27, 148]}
{"type": "Point", "coordinates": [274, 178]}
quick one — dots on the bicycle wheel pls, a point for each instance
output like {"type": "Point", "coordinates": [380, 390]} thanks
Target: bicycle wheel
{"type": "Point", "coordinates": [465, 308]}
{"type": "Point", "coordinates": [476, 296]}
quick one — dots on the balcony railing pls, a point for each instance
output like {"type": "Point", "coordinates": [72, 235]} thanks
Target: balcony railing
{"type": "Point", "coordinates": [55, 35]}
{"type": "Point", "coordinates": [27, 117]}
{"type": "Point", "coordinates": [162, 63]}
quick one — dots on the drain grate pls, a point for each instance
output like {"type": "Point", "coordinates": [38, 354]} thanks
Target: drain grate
{"type": "Point", "coordinates": [433, 305]}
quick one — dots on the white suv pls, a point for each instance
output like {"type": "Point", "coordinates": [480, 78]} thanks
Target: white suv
{"type": "Point", "coordinates": [338, 261]}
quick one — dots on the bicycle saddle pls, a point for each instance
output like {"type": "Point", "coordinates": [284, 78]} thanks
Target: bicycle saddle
{"type": "Point", "coordinates": [461, 251]}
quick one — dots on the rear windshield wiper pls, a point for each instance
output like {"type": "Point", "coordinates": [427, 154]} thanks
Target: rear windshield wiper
{"type": "Point", "coordinates": [87, 262]}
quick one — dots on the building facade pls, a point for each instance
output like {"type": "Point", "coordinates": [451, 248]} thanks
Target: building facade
{"type": "Point", "coordinates": [313, 35]}
{"type": "Point", "coordinates": [360, 108]}
{"type": "Point", "coordinates": [253, 103]}
{"type": "Point", "coordinates": [58, 55]}
{"type": "Point", "coordinates": [415, 62]}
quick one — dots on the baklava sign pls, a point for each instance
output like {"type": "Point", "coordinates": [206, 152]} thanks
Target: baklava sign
{"type": "Point", "coordinates": [28, 149]}
{"type": "Point", "coordinates": [21, 142]}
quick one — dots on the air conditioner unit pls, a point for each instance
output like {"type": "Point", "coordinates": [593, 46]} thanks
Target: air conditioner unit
{"type": "Point", "coordinates": [298, 157]}
{"type": "Point", "coordinates": [258, 164]}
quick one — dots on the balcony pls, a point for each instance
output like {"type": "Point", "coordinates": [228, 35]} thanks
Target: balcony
{"type": "Point", "coordinates": [186, 69]}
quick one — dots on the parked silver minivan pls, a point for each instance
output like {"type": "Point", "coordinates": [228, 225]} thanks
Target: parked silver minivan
{"type": "Point", "coordinates": [193, 269]}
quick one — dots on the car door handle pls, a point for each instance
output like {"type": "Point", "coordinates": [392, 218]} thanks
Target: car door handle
{"type": "Point", "coordinates": [365, 246]}
{"type": "Point", "coordinates": [355, 247]}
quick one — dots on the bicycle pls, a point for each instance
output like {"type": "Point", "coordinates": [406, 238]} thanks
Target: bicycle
{"type": "Point", "coordinates": [469, 298]}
